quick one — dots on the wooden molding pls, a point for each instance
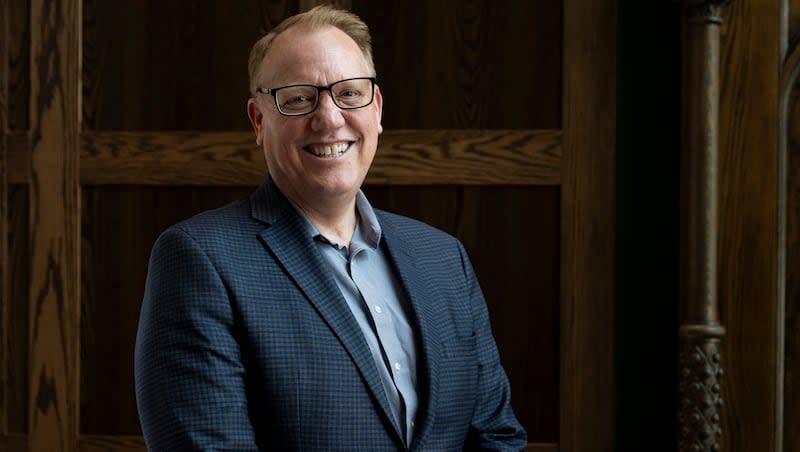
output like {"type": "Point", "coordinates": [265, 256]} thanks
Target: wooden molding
{"type": "Point", "coordinates": [700, 332]}
{"type": "Point", "coordinates": [587, 227]}
{"type": "Point", "coordinates": [108, 443]}
{"type": "Point", "coordinates": [18, 152]}
{"type": "Point", "coordinates": [405, 157]}
{"type": "Point", "coordinates": [705, 11]}
{"type": "Point", "coordinates": [54, 304]}
{"type": "Point", "coordinates": [5, 304]}
{"type": "Point", "coordinates": [748, 275]}
{"type": "Point", "coordinates": [787, 409]}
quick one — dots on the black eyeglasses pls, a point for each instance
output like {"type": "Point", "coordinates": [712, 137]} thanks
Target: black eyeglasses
{"type": "Point", "coordinates": [348, 94]}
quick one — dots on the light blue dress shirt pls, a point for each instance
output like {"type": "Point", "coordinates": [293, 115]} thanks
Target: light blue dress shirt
{"type": "Point", "coordinates": [369, 285]}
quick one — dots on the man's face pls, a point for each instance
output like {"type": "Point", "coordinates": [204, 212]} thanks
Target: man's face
{"type": "Point", "coordinates": [297, 149]}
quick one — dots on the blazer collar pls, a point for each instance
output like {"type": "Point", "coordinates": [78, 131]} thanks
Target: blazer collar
{"type": "Point", "coordinates": [285, 237]}
{"type": "Point", "coordinates": [422, 297]}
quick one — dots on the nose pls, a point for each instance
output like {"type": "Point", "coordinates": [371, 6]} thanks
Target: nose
{"type": "Point", "coordinates": [327, 114]}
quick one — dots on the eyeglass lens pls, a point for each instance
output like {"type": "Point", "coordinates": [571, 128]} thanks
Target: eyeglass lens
{"type": "Point", "coordinates": [346, 94]}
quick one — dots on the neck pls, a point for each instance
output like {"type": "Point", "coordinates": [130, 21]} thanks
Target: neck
{"type": "Point", "coordinates": [335, 220]}
{"type": "Point", "coordinates": [334, 214]}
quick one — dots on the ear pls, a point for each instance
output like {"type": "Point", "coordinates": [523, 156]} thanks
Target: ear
{"type": "Point", "coordinates": [379, 105]}
{"type": "Point", "coordinates": [255, 115]}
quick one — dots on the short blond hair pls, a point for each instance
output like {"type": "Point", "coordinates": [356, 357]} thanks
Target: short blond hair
{"type": "Point", "coordinates": [315, 18]}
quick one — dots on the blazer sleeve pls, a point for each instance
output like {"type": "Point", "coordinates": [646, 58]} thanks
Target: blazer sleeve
{"type": "Point", "coordinates": [189, 376]}
{"type": "Point", "coordinates": [494, 426]}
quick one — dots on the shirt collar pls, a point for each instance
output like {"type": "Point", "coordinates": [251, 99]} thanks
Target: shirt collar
{"type": "Point", "coordinates": [368, 230]}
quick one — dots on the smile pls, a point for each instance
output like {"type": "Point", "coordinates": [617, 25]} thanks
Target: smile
{"type": "Point", "coordinates": [328, 150]}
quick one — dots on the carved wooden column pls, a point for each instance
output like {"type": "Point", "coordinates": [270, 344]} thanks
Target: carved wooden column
{"type": "Point", "coordinates": [700, 331]}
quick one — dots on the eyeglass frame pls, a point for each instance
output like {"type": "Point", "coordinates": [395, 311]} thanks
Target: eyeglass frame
{"type": "Point", "coordinates": [320, 90]}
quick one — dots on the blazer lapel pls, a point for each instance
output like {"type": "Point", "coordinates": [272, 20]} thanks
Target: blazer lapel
{"type": "Point", "coordinates": [422, 297]}
{"type": "Point", "coordinates": [286, 237]}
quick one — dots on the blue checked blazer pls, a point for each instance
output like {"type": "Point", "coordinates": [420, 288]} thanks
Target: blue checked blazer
{"type": "Point", "coordinates": [245, 342]}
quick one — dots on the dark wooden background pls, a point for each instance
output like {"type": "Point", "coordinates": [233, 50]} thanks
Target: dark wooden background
{"type": "Point", "coordinates": [535, 76]}
{"type": "Point", "coordinates": [181, 66]}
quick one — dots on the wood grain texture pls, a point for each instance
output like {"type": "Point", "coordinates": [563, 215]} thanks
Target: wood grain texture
{"type": "Point", "coordinates": [116, 443]}
{"type": "Point", "coordinates": [17, 309]}
{"type": "Point", "coordinates": [790, 154]}
{"type": "Point", "coordinates": [18, 48]}
{"type": "Point", "coordinates": [587, 222]}
{"type": "Point", "coordinates": [150, 65]}
{"type": "Point", "coordinates": [410, 157]}
{"type": "Point", "coordinates": [456, 64]}
{"type": "Point", "coordinates": [515, 157]}
{"type": "Point", "coordinates": [792, 33]}
{"type": "Point", "coordinates": [749, 271]}
{"type": "Point", "coordinates": [54, 215]}
{"type": "Point", "coordinates": [177, 65]}
{"type": "Point", "coordinates": [18, 158]}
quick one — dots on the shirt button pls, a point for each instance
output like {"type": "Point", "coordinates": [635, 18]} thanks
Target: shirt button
{"type": "Point", "coordinates": [397, 366]}
{"type": "Point", "coordinates": [378, 309]}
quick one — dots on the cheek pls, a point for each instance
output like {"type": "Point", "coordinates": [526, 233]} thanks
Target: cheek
{"type": "Point", "coordinates": [281, 137]}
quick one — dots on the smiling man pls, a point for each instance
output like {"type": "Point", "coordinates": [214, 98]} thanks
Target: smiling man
{"type": "Point", "coordinates": [301, 318]}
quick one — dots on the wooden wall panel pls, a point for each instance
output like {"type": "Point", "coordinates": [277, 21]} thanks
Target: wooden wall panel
{"type": "Point", "coordinates": [471, 76]}
{"type": "Point", "coordinates": [53, 219]}
{"type": "Point", "coordinates": [791, 147]}
{"type": "Point", "coordinates": [748, 215]}
{"type": "Point", "coordinates": [18, 46]}
{"type": "Point", "coordinates": [17, 309]}
{"type": "Point", "coordinates": [793, 18]}
{"type": "Point", "coordinates": [177, 65]}
{"type": "Point", "coordinates": [119, 227]}
{"type": "Point", "coordinates": [14, 93]}
{"type": "Point", "coordinates": [791, 401]}
{"type": "Point", "coordinates": [587, 222]}
{"type": "Point", "coordinates": [440, 64]}
{"type": "Point", "coordinates": [4, 279]}
{"type": "Point", "coordinates": [453, 64]}
{"type": "Point", "coordinates": [404, 157]}
{"type": "Point", "coordinates": [467, 63]}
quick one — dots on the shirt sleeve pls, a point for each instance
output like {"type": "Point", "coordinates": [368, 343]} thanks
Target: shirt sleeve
{"type": "Point", "coordinates": [189, 377]}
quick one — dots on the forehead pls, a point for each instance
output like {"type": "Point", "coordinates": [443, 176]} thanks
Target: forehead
{"type": "Point", "coordinates": [319, 56]}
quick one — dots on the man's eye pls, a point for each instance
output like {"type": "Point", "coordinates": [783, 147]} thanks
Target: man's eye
{"type": "Point", "coordinates": [349, 93]}
{"type": "Point", "coordinates": [296, 100]}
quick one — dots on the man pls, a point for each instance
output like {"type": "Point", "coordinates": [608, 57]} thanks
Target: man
{"type": "Point", "coordinates": [302, 319]}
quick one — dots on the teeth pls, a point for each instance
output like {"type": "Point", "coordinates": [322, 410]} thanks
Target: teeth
{"type": "Point", "coordinates": [330, 150]}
